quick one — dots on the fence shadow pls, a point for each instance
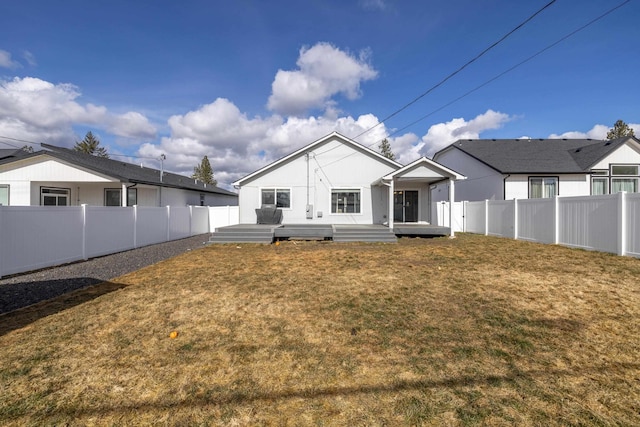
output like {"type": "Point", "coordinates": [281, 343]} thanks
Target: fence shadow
{"type": "Point", "coordinates": [27, 311]}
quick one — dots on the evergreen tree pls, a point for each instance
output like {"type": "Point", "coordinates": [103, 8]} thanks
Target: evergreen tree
{"type": "Point", "coordinates": [203, 172]}
{"type": "Point", "coordinates": [91, 145]}
{"type": "Point", "coordinates": [385, 149]}
{"type": "Point", "coordinates": [619, 130]}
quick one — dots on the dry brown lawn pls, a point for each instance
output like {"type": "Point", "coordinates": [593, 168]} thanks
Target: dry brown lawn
{"type": "Point", "coordinates": [467, 331]}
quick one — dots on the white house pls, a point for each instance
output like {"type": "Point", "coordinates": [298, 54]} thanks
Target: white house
{"type": "Point", "coordinates": [58, 176]}
{"type": "Point", "coordinates": [505, 169]}
{"type": "Point", "coordinates": [336, 180]}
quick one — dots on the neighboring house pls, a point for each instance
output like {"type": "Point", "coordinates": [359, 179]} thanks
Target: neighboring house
{"type": "Point", "coordinates": [336, 180]}
{"type": "Point", "coordinates": [58, 176]}
{"type": "Point", "coordinates": [504, 169]}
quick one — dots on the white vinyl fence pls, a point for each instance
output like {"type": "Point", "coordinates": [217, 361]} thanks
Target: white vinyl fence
{"type": "Point", "coordinates": [33, 237]}
{"type": "Point", "coordinates": [609, 223]}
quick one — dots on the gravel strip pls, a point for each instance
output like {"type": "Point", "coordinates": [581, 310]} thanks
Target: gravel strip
{"type": "Point", "coordinates": [26, 289]}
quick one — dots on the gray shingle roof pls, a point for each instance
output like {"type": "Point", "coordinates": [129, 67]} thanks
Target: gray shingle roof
{"type": "Point", "coordinates": [123, 171]}
{"type": "Point", "coordinates": [538, 155]}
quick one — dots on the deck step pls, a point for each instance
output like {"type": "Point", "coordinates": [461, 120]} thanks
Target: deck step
{"type": "Point", "coordinates": [355, 234]}
{"type": "Point", "coordinates": [245, 236]}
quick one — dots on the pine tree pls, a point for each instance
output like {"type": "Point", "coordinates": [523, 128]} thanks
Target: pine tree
{"type": "Point", "coordinates": [91, 145]}
{"type": "Point", "coordinates": [385, 149]}
{"type": "Point", "coordinates": [203, 172]}
{"type": "Point", "coordinates": [619, 130]}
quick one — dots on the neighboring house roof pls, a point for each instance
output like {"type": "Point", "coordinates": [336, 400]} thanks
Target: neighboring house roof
{"type": "Point", "coordinates": [538, 155]}
{"type": "Point", "coordinates": [122, 171]}
{"type": "Point", "coordinates": [11, 152]}
{"type": "Point", "coordinates": [302, 151]}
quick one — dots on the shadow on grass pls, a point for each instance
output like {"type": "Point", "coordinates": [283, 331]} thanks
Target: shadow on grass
{"type": "Point", "coordinates": [22, 315]}
{"type": "Point", "coordinates": [217, 397]}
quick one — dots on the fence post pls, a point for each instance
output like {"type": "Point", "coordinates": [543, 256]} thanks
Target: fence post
{"type": "Point", "coordinates": [84, 231]}
{"type": "Point", "coordinates": [622, 223]}
{"type": "Point", "coordinates": [464, 216]}
{"type": "Point", "coordinates": [135, 226]}
{"type": "Point", "coordinates": [515, 219]}
{"type": "Point", "coordinates": [556, 220]}
{"type": "Point", "coordinates": [168, 223]}
{"type": "Point", "coordinates": [190, 220]}
{"type": "Point", "coordinates": [2, 239]}
{"type": "Point", "coordinates": [486, 217]}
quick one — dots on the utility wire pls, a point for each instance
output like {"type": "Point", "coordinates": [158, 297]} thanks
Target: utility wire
{"type": "Point", "coordinates": [437, 85]}
{"type": "Point", "coordinates": [552, 45]}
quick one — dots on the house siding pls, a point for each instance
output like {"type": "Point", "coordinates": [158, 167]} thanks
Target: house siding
{"type": "Point", "coordinates": [482, 183]}
{"type": "Point", "coordinates": [331, 165]}
{"type": "Point", "coordinates": [625, 154]}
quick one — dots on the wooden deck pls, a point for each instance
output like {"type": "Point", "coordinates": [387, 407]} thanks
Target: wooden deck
{"type": "Point", "coordinates": [267, 233]}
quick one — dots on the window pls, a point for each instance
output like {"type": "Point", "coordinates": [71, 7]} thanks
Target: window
{"type": "Point", "coordinates": [4, 195]}
{"type": "Point", "coordinates": [543, 187]}
{"type": "Point", "coordinates": [599, 185]}
{"type": "Point", "coordinates": [345, 201]}
{"type": "Point", "coordinates": [112, 197]}
{"type": "Point", "coordinates": [281, 197]}
{"type": "Point", "coordinates": [132, 196]}
{"type": "Point", "coordinates": [624, 178]}
{"type": "Point", "coordinates": [54, 196]}
{"type": "Point", "coordinates": [201, 199]}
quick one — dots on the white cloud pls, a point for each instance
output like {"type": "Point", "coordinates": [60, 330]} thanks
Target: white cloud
{"type": "Point", "coordinates": [373, 4]}
{"type": "Point", "coordinates": [30, 58]}
{"type": "Point", "coordinates": [596, 132]}
{"type": "Point", "coordinates": [442, 134]}
{"type": "Point", "coordinates": [31, 108]}
{"type": "Point", "coordinates": [7, 62]}
{"type": "Point", "coordinates": [323, 71]}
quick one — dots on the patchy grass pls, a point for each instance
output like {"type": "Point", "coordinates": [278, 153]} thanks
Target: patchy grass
{"type": "Point", "coordinates": [474, 330]}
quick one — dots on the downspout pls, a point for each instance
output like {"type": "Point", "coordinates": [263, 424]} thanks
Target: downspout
{"type": "Point", "coordinates": [504, 187]}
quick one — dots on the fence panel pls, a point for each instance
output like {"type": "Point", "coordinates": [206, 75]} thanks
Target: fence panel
{"type": "Point", "coordinates": [199, 220]}
{"type": "Point", "coordinates": [589, 222]}
{"type": "Point", "coordinates": [442, 215]}
{"type": "Point", "coordinates": [475, 218]}
{"type": "Point", "coordinates": [633, 224]}
{"type": "Point", "coordinates": [536, 220]}
{"type": "Point", "coordinates": [179, 222]}
{"type": "Point", "coordinates": [38, 237]}
{"type": "Point", "coordinates": [222, 216]}
{"type": "Point", "coordinates": [151, 225]}
{"type": "Point", "coordinates": [501, 218]}
{"type": "Point", "coordinates": [108, 230]}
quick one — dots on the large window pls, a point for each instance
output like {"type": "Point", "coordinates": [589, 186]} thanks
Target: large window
{"type": "Point", "coordinates": [543, 187]}
{"type": "Point", "coordinates": [4, 195]}
{"type": "Point", "coordinates": [281, 197]}
{"type": "Point", "coordinates": [50, 196]}
{"type": "Point", "coordinates": [616, 179]}
{"type": "Point", "coordinates": [345, 201]}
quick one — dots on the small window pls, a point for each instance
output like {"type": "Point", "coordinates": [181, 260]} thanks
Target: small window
{"type": "Point", "coordinates": [345, 201]}
{"type": "Point", "coordinates": [132, 196]}
{"type": "Point", "coordinates": [599, 186]}
{"type": "Point", "coordinates": [543, 187]}
{"type": "Point", "coordinates": [54, 196]}
{"type": "Point", "coordinates": [4, 195]}
{"type": "Point", "coordinates": [281, 197]}
{"type": "Point", "coordinates": [629, 170]}
{"type": "Point", "coordinates": [112, 197]}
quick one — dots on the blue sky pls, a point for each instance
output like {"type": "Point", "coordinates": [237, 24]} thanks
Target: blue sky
{"type": "Point", "coordinates": [248, 82]}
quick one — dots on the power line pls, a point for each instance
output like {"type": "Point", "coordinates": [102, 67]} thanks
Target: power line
{"type": "Point", "coordinates": [437, 85]}
{"type": "Point", "coordinates": [508, 70]}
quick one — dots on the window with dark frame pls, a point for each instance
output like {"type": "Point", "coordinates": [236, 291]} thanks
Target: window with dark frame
{"type": "Point", "coordinates": [281, 197]}
{"type": "Point", "coordinates": [51, 196]}
{"type": "Point", "coordinates": [4, 195]}
{"type": "Point", "coordinates": [112, 197]}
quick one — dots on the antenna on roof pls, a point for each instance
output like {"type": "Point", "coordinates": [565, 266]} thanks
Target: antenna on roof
{"type": "Point", "coordinates": [162, 159]}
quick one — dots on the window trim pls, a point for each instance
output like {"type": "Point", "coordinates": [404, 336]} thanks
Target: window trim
{"type": "Point", "coordinates": [345, 190]}
{"type": "Point", "coordinates": [67, 195]}
{"type": "Point", "coordinates": [276, 189]}
{"type": "Point", "coordinates": [557, 179]}
{"type": "Point", "coordinates": [8, 187]}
